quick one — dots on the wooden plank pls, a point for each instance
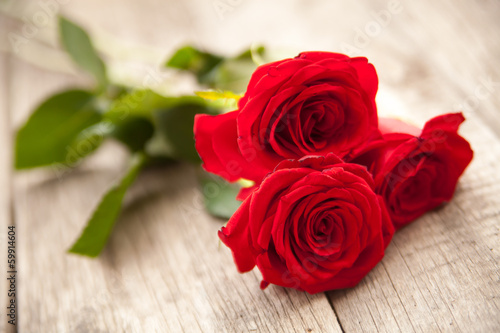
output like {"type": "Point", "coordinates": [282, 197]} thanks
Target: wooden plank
{"type": "Point", "coordinates": [442, 272]}
{"type": "Point", "coordinates": [163, 268]}
{"type": "Point", "coordinates": [442, 53]}
{"type": "Point", "coordinates": [5, 191]}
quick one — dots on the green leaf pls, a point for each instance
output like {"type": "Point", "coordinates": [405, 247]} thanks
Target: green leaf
{"type": "Point", "coordinates": [134, 132]}
{"type": "Point", "coordinates": [51, 129]}
{"type": "Point", "coordinates": [99, 227]}
{"type": "Point", "coordinates": [173, 136]}
{"type": "Point", "coordinates": [233, 74]}
{"type": "Point", "coordinates": [219, 72]}
{"type": "Point", "coordinates": [254, 53]}
{"type": "Point", "coordinates": [176, 126]}
{"type": "Point", "coordinates": [141, 103]}
{"type": "Point", "coordinates": [195, 61]}
{"type": "Point", "coordinates": [220, 196]}
{"type": "Point", "coordinates": [78, 45]}
{"type": "Point", "coordinates": [87, 142]}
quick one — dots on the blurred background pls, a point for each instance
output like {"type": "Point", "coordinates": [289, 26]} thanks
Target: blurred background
{"type": "Point", "coordinates": [447, 47]}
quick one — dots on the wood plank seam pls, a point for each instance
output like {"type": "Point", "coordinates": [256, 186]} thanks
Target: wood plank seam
{"type": "Point", "coordinates": [329, 299]}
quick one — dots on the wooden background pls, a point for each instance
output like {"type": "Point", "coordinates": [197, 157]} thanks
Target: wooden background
{"type": "Point", "coordinates": [163, 269]}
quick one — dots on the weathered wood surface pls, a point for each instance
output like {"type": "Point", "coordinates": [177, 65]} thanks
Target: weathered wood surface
{"type": "Point", "coordinates": [5, 186]}
{"type": "Point", "coordinates": [163, 269]}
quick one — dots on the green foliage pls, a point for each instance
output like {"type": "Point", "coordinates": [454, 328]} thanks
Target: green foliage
{"type": "Point", "coordinates": [71, 125]}
{"type": "Point", "coordinates": [219, 195]}
{"type": "Point", "coordinates": [136, 103]}
{"type": "Point", "coordinates": [161, 125]}
{"type": "Point", "coordinates": [99, 227]}
{"type": "Point", "coordinates": [78, 45]}
{"type": "Point", "coordinates": [175, 126]}
{"type": "Point", "coordinates": [134, 132]}
{"type": "Point", "coordinates": [234, 73]}
{"type": "Point", "coordinates": [195, 61]}
{"type": "Point", "coordinates": [226, 73]}
{"type": "Point", "coordinates": [87, 141]}
{"type": "Point", "coordinates": [51, 129]}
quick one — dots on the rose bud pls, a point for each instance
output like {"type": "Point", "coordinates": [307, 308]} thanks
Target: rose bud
{"type": "Point", "coordinates": [313, 104]}
{"type": "Point", "coordinates": [313, 224]}
{"type": "Point", "coordinates": [417, 170]}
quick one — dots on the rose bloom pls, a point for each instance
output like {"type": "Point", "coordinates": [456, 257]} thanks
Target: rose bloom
{"type": "Point", "coordinates": [417, 170]}
{"type": "Point", "coordinates": [313, 104]}
{"type": "Point", "coordinates": [314, 224]}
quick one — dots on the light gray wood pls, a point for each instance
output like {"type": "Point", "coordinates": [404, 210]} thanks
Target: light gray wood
{"type": "Point", "coordinates": [5, 190]}
{"type": "Point", "coordinates": [441, 273]}
{"type": "Point", "coordinates": [164, 270]}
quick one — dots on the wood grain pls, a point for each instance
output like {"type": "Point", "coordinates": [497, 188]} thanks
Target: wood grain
{"type": "Point", "coordinates": [5, 186]}
{"type": "Point", "coordinates": [164, 270]}
{"type": "Point", "coordinates": [442, 272]}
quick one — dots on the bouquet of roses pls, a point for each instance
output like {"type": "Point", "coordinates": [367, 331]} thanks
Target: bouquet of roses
{"type": "Point", "coordinates": [331, 180]}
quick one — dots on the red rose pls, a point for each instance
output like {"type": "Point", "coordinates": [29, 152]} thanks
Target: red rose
{"type": "Point", "coordinates": [417, 170]}
{"type": "Point", "coordinates": [314, 224]}
{"type": "Point", "coordinates": [313, 104]}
